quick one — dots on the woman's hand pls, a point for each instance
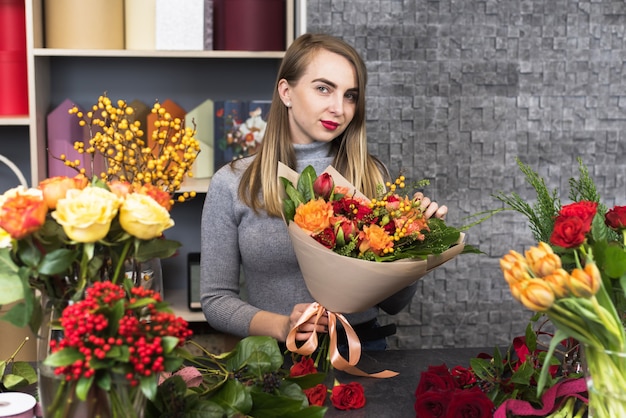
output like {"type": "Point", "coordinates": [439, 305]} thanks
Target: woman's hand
{"type": "Point", "coordinates": [305, 330]}
{"type": "Point", "coordinates": [429, 207]}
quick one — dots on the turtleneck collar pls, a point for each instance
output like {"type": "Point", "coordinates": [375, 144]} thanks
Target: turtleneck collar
{"type": "Point", "coordinates": [318, 154]}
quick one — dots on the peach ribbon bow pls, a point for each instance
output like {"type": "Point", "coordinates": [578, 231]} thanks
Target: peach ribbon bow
{"type": "Point", "coordinates": [336, 359]}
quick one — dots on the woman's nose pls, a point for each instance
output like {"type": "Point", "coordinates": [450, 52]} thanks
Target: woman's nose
{"type": "Point", "coordinates": [336, 104]}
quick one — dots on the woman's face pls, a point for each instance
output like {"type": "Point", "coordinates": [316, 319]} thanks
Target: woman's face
{"type": "Point", "coordinates": [323, 101]}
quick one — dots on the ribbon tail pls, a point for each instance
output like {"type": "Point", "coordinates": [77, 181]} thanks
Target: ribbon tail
{"type": "Point", "coordinates": [354, 350]}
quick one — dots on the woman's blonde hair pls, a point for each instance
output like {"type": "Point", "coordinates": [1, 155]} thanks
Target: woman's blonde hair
{"type": "Point", "coordinates": [352, 159]}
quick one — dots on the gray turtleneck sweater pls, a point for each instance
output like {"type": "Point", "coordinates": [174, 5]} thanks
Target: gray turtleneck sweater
{"type": "Point", "coordinates": [235, 240]}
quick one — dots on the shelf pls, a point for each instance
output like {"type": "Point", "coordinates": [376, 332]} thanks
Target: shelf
{"type": "Point", "coordinates": [195, 185]}
{"type": "Point", "coordinates": [14, 121]}
{"type": "Point", "coordinates": [127, 53]}
{"type": "Point", "coordinates": [177, 298]}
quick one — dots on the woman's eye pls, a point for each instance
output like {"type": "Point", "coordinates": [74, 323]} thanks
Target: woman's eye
{"type": "Point", "coordinates": [351, 97]}
{"type": "Point", "coordinates": [323, 89]}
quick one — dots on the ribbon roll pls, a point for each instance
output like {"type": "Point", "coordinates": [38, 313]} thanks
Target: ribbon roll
{"type": "Point", "coordinates": [17, 405]}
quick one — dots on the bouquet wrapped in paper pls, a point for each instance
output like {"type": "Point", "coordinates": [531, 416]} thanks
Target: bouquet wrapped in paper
{"type": "Point", "coordinates": [355, 252]}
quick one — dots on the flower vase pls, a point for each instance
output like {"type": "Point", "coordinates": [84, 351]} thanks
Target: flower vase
{"type": "Point", "coordinates": [58, 397]}
{"type": "Point", "coordinates": [605, 374]}
{"type": "Point", "coordinates": [147, 274]}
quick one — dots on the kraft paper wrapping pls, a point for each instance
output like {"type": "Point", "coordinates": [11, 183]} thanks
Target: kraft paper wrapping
{"type": "Point", "coordinates": [346, 284]}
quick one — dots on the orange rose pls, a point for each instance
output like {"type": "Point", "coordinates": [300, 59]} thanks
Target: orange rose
{"type": "Point", "coordinates": [376, 239]}
{"type": "Point", "coordinates": [314, 216]}
{"type": "Point", "coordinates": [120, 188]}
{"type": "Point", "coordinates": [162, 197]}
{"type": "Point", "coordinates": [55, 188]}
{"type": "Point", "coordinates": [23, 214]}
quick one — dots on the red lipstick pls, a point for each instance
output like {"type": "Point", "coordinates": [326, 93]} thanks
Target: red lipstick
{"type": "Point", "coordinates": [330, 125]}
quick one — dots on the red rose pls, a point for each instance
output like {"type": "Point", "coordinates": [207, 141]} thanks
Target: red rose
{"type": "Point", "coordinates": [303, 367]}
{"type": "Point", "coordinates": [568, 232]}
{"type": "Point", "coordinates": [585, 210]}
{"type": "Point", "coordinates": [463, 377]}
{"type": "Point", "coordinates": [470, 403]}
{"type": "Point", "coordinates": [317, 394]}
{"type": "Point", "coordinates": [436, 378]}
{"type": "Point", "coordinates": [348, 396]}
{"type": "Point", "coordinates": [431, 404]}
{"type": "Point", "coordinates": [616, 218]}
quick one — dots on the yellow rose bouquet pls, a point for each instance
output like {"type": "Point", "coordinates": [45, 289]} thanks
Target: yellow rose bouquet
{"type": "Point", "coordinates": [69, 232]}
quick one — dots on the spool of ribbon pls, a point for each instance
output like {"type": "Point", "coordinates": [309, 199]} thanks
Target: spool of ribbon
{"type": "Point", "coordinates": [17, 405]}
{"type": "Point", "coordinates": [336, 359]}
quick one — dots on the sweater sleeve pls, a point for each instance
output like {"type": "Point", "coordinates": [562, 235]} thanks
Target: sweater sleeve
{"type": "Point", "coordinates": [220, 258]}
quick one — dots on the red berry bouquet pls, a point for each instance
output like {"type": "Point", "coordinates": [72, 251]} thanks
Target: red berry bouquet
{"type": "Point", "coordinates": [115, 343]}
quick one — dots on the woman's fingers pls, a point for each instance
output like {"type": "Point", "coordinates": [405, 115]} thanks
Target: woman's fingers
{"type": "Point", "coordinates": [429, 207]}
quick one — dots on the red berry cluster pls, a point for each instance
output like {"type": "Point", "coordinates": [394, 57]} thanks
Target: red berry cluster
{"type": "Point", "coordinates": [133, 343]}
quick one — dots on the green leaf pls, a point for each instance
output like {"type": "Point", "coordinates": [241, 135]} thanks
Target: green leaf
{"type": "Point", "coordinates": [234, 398]}
{"type": "Point", "coordinates": [615, 262]}
{"type": "Point", "coordinates": [12, 381]}
{"type": "Point", "coordinates": [169, 343]}
{"type": "Point", "coordinates": [258, 352]}
{"type": "Point", "coordinates": [10, 281]}
{"type": "Point", "coordinates": [82, 387]}
{"type": "Point", "coordinates": [305, 183]}
{"type": "Point", "coordinates": [266, 405]}
{"type": "Point", "coordinates": [155, 248]}
{"type": "Point", "coordinates": [57, 262]}
{"type": "Point", "coordinates": [523, 374]}
{"type": "Point", "coordinates": [25, 370]}
{"type": "Point", "coordinates": [63, 357]}
{"type": "Point", "coordinates": [148, 385]}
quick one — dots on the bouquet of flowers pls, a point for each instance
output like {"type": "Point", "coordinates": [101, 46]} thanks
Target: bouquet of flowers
{"type": "Point", "coordinates": [115, 343]}
{"type": "Point", "coordinates": [368, 249]}
{"type": "Point", "coordinates": [575, 276]}
{"type": "Point", "coordinates": [66, 233]}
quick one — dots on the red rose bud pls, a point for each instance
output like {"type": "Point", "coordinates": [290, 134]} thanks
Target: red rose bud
{"type": "Point", "coordinates": [323, 186]}
{"type": "Point", "coordinates": [303, 367]}
{"type": "Point", "coordinates": [616, 218]}
{"type": "Point", "coordinates": [345, 230]}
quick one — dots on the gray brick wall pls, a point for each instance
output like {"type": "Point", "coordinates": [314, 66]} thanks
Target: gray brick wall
{"type": "Point", "coordinates": [457, 90]}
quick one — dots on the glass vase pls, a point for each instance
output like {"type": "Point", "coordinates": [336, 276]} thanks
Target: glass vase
{"type": "Point", "coordinates": [605, 374]}
{"type": "Point", "coordinates": [58, 397]}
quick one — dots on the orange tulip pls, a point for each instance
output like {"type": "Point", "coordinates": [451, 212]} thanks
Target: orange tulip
{"type": "Point", "coordinates": [542, 260]}
{"type": "Point", "coordinates": [585, 283]}
{"type": "Point", "coordinates": [514, 267]}
{"type": "Point", "coordinates": [537, 295]}
{"type": "Point", "coordinates": [558, 281]}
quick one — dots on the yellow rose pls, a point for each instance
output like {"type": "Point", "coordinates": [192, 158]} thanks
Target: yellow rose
{"type": "Point", "coordinates": [5, 239]}
{"type": "Point", "coordinates": [86, 215]}
{"type": "Point", "coordinates": [142, 217]}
